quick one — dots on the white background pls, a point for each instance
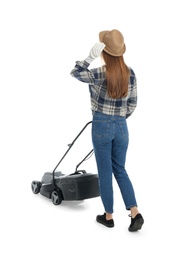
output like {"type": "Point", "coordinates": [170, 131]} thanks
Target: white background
{"type": "Point", "coordinates": [42, 109]}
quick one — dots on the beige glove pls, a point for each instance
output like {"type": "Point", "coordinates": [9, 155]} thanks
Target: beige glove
{"type": "Point", "coordinates": [95, 51]}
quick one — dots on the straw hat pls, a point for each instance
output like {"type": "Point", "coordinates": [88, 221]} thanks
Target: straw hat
{"type": "Point", "coordinates": [114, 42]}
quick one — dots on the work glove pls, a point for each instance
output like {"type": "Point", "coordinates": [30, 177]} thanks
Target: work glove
{"type": "Point", "coordinates": [95, 51]}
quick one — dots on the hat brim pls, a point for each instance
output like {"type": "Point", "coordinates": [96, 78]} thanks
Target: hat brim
{"type": "Point", "coordinates": [102, 34]}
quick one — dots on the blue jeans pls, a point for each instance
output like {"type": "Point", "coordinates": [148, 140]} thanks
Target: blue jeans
{"type": "Point", "coordinates": [110, 142]}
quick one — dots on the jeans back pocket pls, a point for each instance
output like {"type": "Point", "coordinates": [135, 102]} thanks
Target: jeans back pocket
{"type": "Point", "coordinates": [100, 128]}
{"type": "Point", "coordinates": [123, 128]}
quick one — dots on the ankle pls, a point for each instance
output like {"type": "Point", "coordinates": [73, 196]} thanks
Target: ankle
{"type": "Point", "coordinates": [108, 216]}
{"type": "Point", "coordinates": [134, 212]}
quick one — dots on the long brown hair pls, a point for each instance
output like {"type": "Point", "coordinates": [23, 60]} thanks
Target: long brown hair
{"type": "Point", "coordinates": [117, 75]}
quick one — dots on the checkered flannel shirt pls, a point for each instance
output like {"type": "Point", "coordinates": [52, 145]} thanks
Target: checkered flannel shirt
{"type": "Point", "coordinates": [100, 101]}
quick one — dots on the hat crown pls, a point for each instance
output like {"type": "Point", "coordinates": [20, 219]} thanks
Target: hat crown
{"type": "Point", "coordinates": [114, 42]}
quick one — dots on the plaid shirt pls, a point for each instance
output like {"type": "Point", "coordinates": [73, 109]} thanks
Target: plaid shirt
{"type": "Point", "coordinates": [100, 101]}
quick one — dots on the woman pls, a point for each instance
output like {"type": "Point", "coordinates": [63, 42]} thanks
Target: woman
{"type": "Point", "coordinates": [113, 91]}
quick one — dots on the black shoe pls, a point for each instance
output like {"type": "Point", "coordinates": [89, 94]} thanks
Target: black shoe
{"type": "Point", "coordinates": [136, 223]}
{"type": "Point", "coordinates": [102, 220]}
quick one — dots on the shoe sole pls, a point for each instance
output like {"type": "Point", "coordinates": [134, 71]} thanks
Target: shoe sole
{"type": "Point", "coordinates": [137, 225]}
{"type": "Point", "coordinates": [107, 225]}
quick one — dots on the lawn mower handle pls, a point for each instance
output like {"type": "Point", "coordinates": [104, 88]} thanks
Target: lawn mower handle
{"type": "Point", "coordinates": [70, 146]}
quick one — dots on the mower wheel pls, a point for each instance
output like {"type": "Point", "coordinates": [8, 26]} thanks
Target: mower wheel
{"type": "Point", "coordinates": [56, 197]}
{"type": "Point", "coordinates": [36, 186]}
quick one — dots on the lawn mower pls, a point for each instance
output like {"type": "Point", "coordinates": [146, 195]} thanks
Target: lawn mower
{"type": "Point", "coordinates": [78, 185]}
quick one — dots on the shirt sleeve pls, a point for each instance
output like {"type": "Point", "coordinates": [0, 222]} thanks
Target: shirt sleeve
{"type": "Point", "coordinates": [82, 73]}
{"type": "Point", "coordinates": [132, 100]}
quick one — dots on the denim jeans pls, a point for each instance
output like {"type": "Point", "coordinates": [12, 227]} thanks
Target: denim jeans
{"type": "Point", "coordinates": [110, 142]}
